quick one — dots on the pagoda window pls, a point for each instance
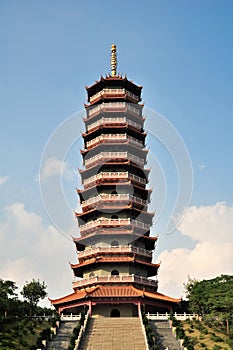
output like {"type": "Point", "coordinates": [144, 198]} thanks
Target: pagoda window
{"type": "Point", "coordinates": [115, 313]}
{"type": "Point", "coordinates": [114, 217]}
{"type": "Point", "coordinates": [115, 273]}
{"type": "Point", "coordinates": [115, 244]}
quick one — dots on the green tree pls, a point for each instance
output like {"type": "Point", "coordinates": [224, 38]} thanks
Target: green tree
{"type": "Point", "coordinates": [7, 293]}
{"type": "Point", "coordinates": [34, 291]}
{"type": "Point", "coordinates": [212, 297]}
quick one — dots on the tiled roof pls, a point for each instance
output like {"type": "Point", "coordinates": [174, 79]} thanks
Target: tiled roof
{"type": "Point", "coordinates": [118, 291]}
{"type": "Point", "coordinates": [126, 232]}
{"type": "Point", "coordinates": [103, 259]}
{"type": "Point", "coordinates": [111, 292]}
{"type": "Point", "coordinates": [80, 294]}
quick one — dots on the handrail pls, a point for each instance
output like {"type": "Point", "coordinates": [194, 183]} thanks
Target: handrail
{"type": "Point", "coordinates": [114, 155]}
{"type": "Point", "coordinates": [166, 316]}
{"type": "Point", "coordinates": [111, 174]}
{"type": "Point", "coordinates": [143, 329]}
{"type": "Point", "coordinates": [112, 106]}
{"type": "Point", "coordinates": [116, 249]}
{"type": "Point", "coordinates": [113, 138]}
{"type": "Point", "coordinates": [113, 222]}
{"type": "Point", "coordinates": [112, 120]}
{"type": "Point", "coordinates": [114, 92]}
{"type": "Point", "coordinates": [82, 332]}
{"type": "Point", "coordinates": [115, 279]}
{"type": "Point", "coordinates": [114, 197]}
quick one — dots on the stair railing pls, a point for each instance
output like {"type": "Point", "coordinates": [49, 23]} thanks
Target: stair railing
{"type": "Point", "coordinates": [82, 332]}
{"type": "Point", "coordinates": [143, 329]}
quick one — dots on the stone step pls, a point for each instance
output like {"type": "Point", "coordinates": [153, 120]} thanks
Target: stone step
{"type": "Point", "coordinates": [114, 334]}
{"type": "Point", "coordinates": [163, 331]}
{"type": "Point", "coordinates": [62, 339]}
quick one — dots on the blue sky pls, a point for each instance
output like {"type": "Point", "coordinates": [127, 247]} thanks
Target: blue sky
{"type": "Point", "coordinates": [180, 51]}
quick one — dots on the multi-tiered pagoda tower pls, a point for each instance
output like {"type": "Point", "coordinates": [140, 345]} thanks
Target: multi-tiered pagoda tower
{"type": "Point", "coordinates": [114, 274]}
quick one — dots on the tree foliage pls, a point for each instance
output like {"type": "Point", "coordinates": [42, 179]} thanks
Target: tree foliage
{"type": "Point", "coordinates": [7, 292]}
{"type": "Point", "coordinates": [34, 291]}
{"type": "Point", "coordinates": [211, 297]}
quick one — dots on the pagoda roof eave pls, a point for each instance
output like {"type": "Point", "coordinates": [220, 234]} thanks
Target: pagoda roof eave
{"type": "Point", "coordinates": [127, 143]}
{"type": "Point", "coordinates": [106, 208]}
{"type": "Point", "coordinates": [112, 292]}
{"type": "Point", "coordinates": [130, 234]}
{"type": "Point", "coordinates": [81, 191]}
{"type": "Point", "coordinates": [106, 260]}
{"type": "Point", "coordinates": [126, 126]}
{"type": "Point", "coordinates": [127, 162]}
{"type": "Point", "coordinates": [113, 78]}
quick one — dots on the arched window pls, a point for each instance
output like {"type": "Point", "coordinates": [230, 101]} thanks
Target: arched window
{"type": "Point", "coordinates": [114, 192]}
{"type": "Point", "coordinates": [114, 217]}
{"type": "Point", "coordinates": [115, 313]}
{"type": "Point", "coordinates": [115, 273]}
{"type": "Point", "coordinates": [92, 274]}
{"type": "Point", "coordinates": [115, 244]}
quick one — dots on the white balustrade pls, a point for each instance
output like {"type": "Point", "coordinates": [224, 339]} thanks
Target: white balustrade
{"type": "Point", "coordinates": [115, 279]}
{"type": "Point", "coordinates": [113, 197]}
{"type": "Point", "coordinates": [102, 221]}
{"type": "Point", "coordinates": [113, 107]}
{"type": "Point", "coordinates": [112, 156]}
{"type": "Point", "coordinates": [116, 249]}
{"type": "Point", "coordinates": [166, 316]}
{"type": "Point", "coordinates": [113, 175]}
{"type": "Point", "coordinates": [112, 120]}
{"type": "Point", "coordinates": [113, 92]}
{"type": "Point", "coordinates": [113, 138]}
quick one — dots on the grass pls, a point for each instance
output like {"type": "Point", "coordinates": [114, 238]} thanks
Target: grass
{"type": "Point", "coordinates": [20, 333]}
{"type": "Point", "coordinates": [206, 337]}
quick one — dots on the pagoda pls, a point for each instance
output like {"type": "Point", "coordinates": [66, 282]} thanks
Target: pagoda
{"type": "Point", "coordinates": [114, 273]}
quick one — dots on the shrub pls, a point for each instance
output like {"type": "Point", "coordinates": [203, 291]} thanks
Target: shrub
{"type": "Point", "coordinates": [76, 330]}
{"type": "Point", "coordinates": [216, 338]}
{"type": "Point", "coordinates": [180, 333]}
{"type": "Point", "coordinates": [203, 330]}
{"type": "Point", "coordinates": [33, 347]}
{"type": "Point", "coordinates": [202, 345]}
{"type": "Point", "coordinates": [217, 347]}
{"type": "Point", "coordinates": [45, 334]}
{"type": "Point", "coordinates": [190, 330]}
{"type": "Point", "coordinates": [72, 341]}
{"type": "Point", "coordinates": [24, 343]}
{"type": "Point", "coordinates": [39, 342]}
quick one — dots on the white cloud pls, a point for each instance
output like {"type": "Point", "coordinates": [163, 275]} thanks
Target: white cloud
{"type": "Point", "coordinates": [208, 223]}
{"type": "Point", "coordinates": [29, 249]}
{"type": "Point", "coordinates": [55, 167]}
{"type": "Point", "coordinates": [211, 227]}
{"type": "Point", "coordinates": [3, 179]}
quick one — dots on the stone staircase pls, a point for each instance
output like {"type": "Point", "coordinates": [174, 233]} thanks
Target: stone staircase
{"type": "Point", "coordinates": [114, 333]}
{"type": "Point", "coordinates": [163, 331]}
{"type": "Point", "coordinates": [62, 339]}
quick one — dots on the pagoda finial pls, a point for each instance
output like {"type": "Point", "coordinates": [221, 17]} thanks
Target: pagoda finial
{"type": "Point", "coordinates": [113, 60]}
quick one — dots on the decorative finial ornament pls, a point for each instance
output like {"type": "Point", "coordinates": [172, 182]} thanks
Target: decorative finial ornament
{"type": "Point", "coordinates": [113, 60]}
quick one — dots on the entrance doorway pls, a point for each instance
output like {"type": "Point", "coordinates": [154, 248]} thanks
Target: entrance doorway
{"type": "Point", "coordinates": [115, 313]}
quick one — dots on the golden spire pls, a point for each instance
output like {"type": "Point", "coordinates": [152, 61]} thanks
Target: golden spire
{"type": "Point", "coordinates": [113, 60]}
